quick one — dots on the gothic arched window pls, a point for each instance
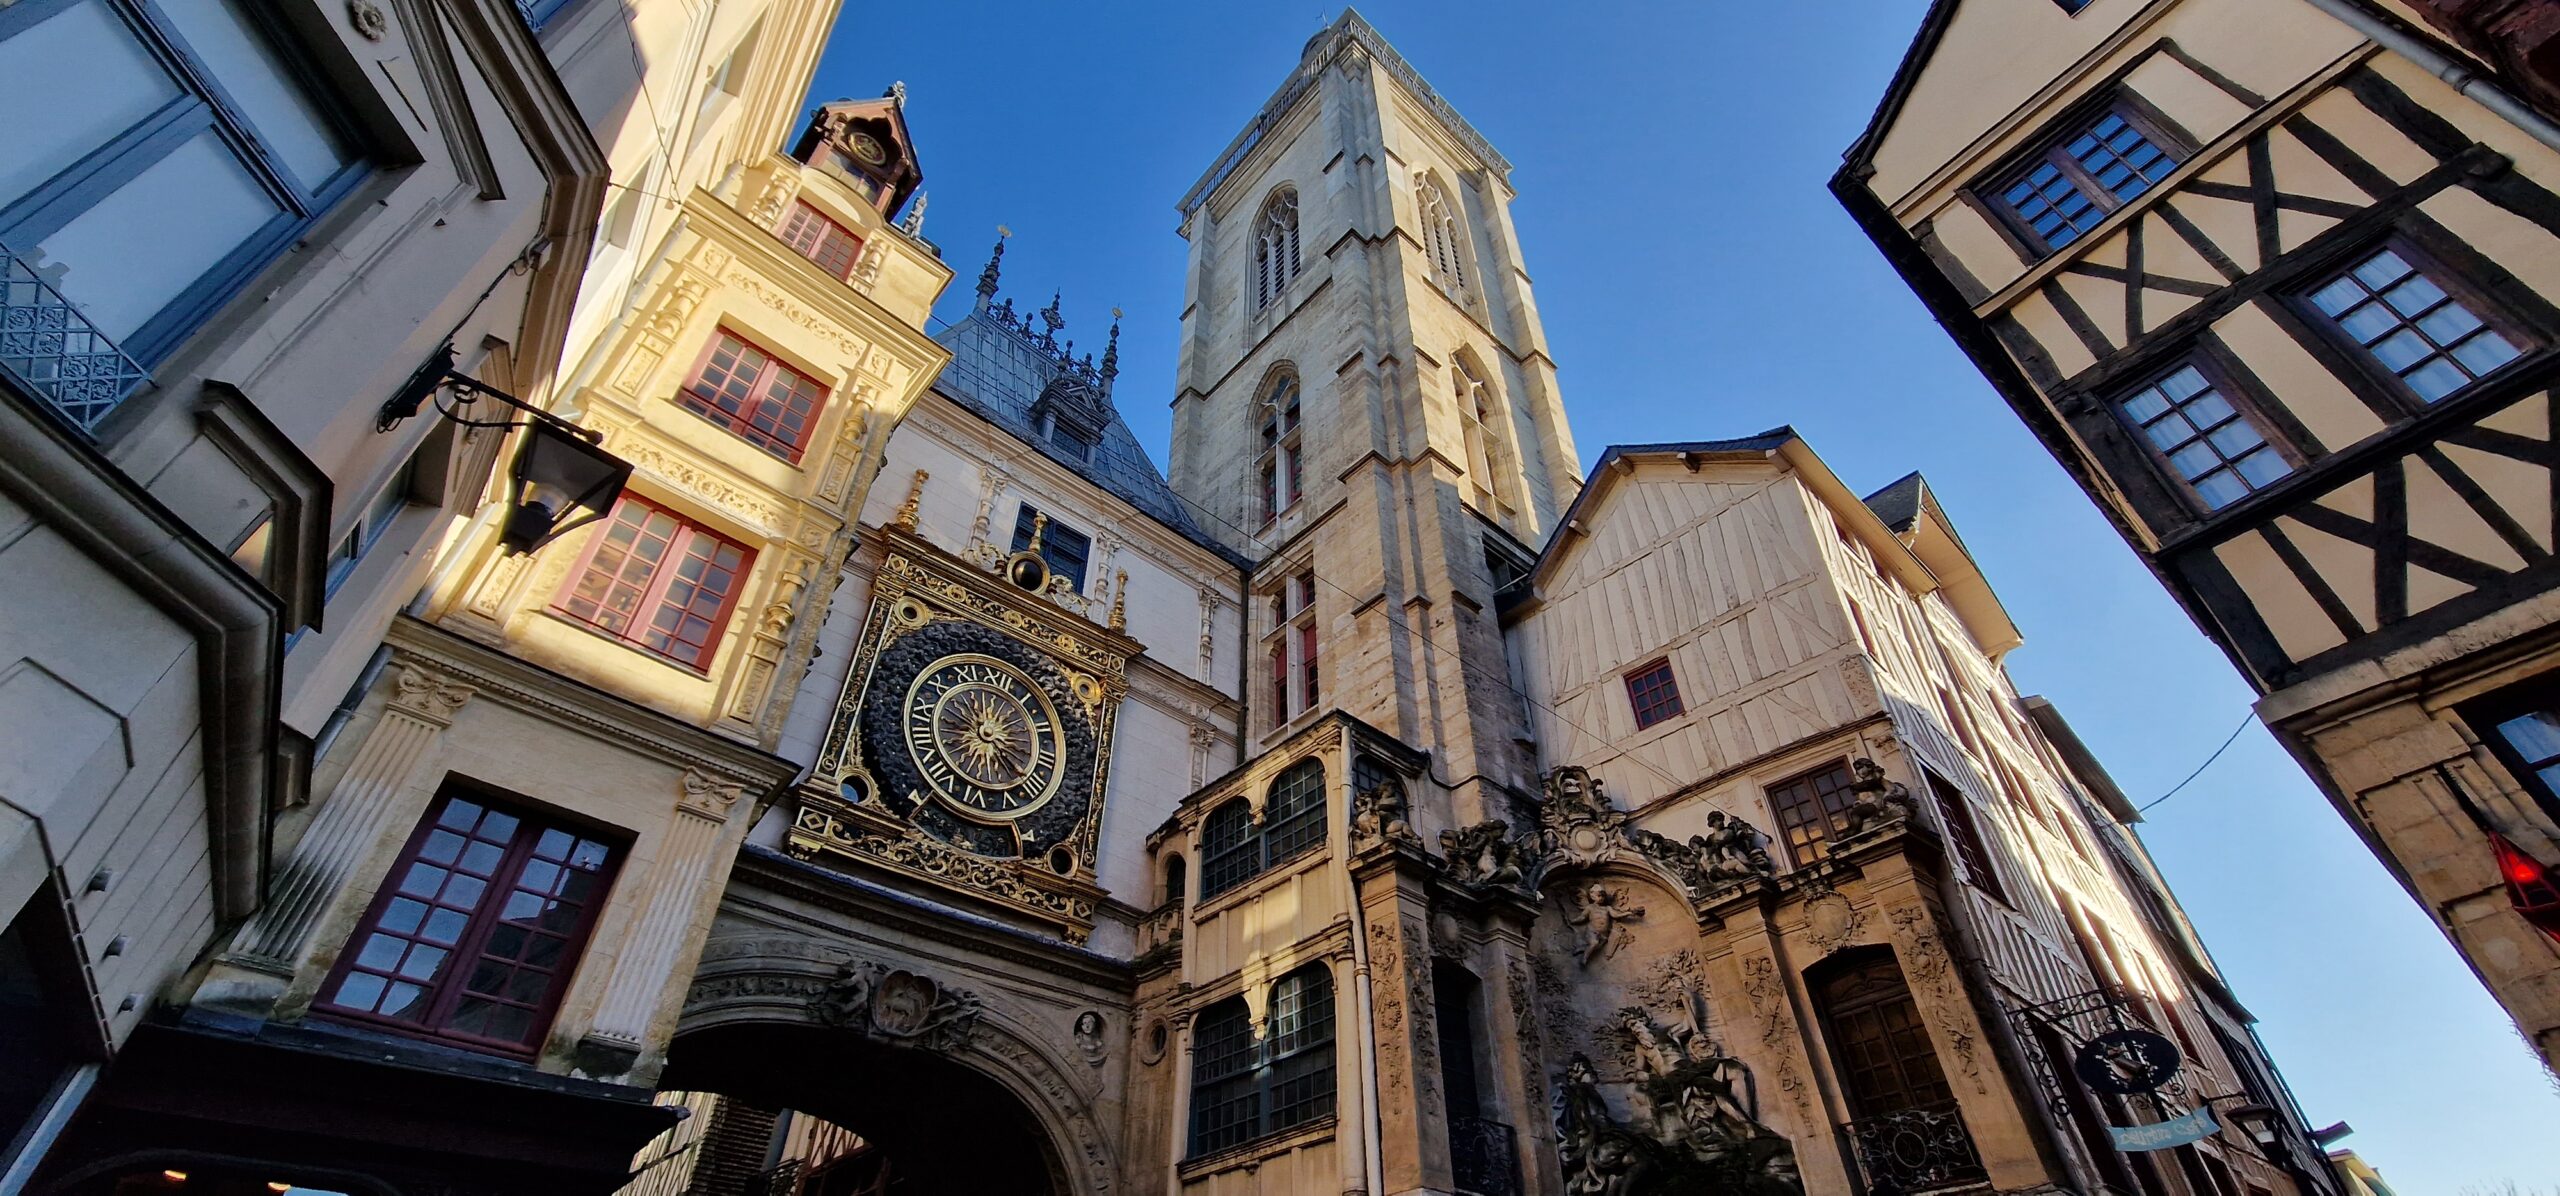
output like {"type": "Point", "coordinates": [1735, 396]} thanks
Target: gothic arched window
{"type": "Point", "coordinates": [1442, 240]}
{"type": "Point", "coordinates": [1233, 849]}
{"type": "Point", "coordinates": [1482, 425]}
{"type": "Point", "coordinates": [1275, 246]}
{"type": "Point", "coordinates": [1283, 470]}
{"type": "Point", "coordinates": [1293, 813]}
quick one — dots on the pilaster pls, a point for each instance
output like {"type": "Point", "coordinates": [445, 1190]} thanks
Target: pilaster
{"type": "Point", "coordinates": [682, 885]}
{"type": "Point", "coordinates": [372, 802]}
{"type": "Point", "coordinates": [1413, 1122]}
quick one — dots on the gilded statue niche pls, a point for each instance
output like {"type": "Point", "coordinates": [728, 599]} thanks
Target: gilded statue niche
{"type": "Point", "coordinates": [971, 745]}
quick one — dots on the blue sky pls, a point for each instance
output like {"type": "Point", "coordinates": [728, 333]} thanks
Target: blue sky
{"type": "Point", "coordinates": [1698, 281]}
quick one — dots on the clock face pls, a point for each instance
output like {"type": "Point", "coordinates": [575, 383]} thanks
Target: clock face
{"type": "Point", "coordinates": [869, 149]}
{"type": "Point", "coordinates": [985, 738]}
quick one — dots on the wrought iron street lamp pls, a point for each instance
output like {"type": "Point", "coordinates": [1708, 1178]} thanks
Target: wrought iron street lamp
{"type": "Point", "coordinates": [560, 481]}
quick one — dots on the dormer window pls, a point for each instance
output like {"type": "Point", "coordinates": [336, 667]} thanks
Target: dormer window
{"type": "Point", "coordinates": [1075, 443]}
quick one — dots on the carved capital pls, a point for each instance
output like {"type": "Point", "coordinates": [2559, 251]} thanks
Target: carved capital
{"type": "Point", "coordinates": [428, 696]}
{"type": "Point", "coordinates": [707, 796]}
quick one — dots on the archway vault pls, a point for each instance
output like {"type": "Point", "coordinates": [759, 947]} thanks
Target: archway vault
{"type": "Point", "coordinates": [880, 1046]}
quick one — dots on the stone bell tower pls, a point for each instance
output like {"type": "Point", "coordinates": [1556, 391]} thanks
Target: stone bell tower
{"type": "Point", "coordinates": [1366, 408]}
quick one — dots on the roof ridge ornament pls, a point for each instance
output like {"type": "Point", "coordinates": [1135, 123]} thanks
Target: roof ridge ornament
{"type": "Point", "coordinates": [897, 93]}
{"type": "Point", "coordinates": [913, 225]}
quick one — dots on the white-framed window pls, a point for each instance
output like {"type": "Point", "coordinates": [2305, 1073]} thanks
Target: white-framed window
{"type": "Point", "coordinates": [160, 152]}
{"type": "Point", "coordinates": [1290, 648]}
{"type": "Point", "coordinates": [1443, 239]}
{"type": "Point", "coordinates": [1275, 247]}
{"type": "Point", "coordinates": [1281, 461]}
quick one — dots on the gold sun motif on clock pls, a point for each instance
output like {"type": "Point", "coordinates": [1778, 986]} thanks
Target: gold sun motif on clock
{"type": "Point", "coordinates": [985, 737]}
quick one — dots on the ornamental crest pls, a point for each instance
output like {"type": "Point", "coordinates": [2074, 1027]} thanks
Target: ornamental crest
{"type": "Point", "coordinates": [896, 1007]}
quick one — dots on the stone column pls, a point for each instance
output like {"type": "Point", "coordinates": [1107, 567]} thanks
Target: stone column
{"type": "Point", "coordinates": [1413, 1123]}
{"type": "Point", "coordinates": [1179, 1056]}
{"type": "Point", "coordinates": [653, 955]}
{"type": "Point", "coordinates": [1351, 1119]}
{"type": "Point", "coordinates": [366, 806]}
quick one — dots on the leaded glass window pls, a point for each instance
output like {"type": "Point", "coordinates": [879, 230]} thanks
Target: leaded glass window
{"type": "Point", "coordinates": [658, 582]}
{"type": "Point", "coordinates": [1230, 848]}
{"type": "Point", "coordinates": [1810, 810]}
{"type": "Point", "coordinates": [1246, 1086]}
{"type": "Point", "coordinates": [2408, 323]}
{"type": "Point", "coordinates": [2217, 450]}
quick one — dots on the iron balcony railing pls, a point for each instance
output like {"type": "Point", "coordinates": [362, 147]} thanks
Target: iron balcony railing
{"type": "Point", "coordinates": [55, 354]}
{"type": "Point", "coordinates": [1925, 1149]}
{"type": "Point", "coordinates": [1483, 1158]}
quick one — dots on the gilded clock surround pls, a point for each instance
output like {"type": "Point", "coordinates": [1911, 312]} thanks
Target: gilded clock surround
{"type": "Point", "coordinates": [971, 744]}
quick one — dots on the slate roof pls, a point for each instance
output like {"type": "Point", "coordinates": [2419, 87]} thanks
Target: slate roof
{"type": "Point", "coordinates": [1898, 504]}
{"type": "Point", "coordinates": [998, 372]}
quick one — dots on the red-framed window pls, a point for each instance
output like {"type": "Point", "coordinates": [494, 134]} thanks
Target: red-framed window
{"type": "Point", "coordinates": [821, 239]}
{"type": "Point", "coordinates": [751, 393]}
{"type": "Point", "coordinates": [658, 582]}
{"type": "Point", "coordinates": [478, 926]}
{"type": "Point", "coordinates": [1654, 693]}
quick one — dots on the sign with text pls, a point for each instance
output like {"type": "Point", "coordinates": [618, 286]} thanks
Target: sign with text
{"type": "Point", "coordinates": [2192, 1126]}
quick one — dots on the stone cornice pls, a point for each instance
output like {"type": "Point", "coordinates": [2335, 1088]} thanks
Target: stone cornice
{"type": "Point", "coordinates": [512, 681]}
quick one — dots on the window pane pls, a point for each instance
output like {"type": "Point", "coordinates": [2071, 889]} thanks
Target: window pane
{"type": "Point", "coordinates": [2413, 326]}
{"type": "Point", "coordinates": [261, 84]}
{"type": "Point", "coordinates": [76, 79]}
{"type": "Point", "coordinates": [135, 250]}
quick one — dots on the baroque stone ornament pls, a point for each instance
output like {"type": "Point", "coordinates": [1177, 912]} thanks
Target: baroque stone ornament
{"type": "Point", "coordinates": [896, 1007]}
{"type": "Point", "coordinates": [1089, 1041]}
{"type": "Point", "coordinates": [1880, 802]}
{"type": "Point", "coordinates": [1695, 1127]}
{"type": "Point", "coordinates": [1578, 828]}
{"type": "Point", "coordinates": [1483, 854]}
{"type": "Point", "coordinates": [1381, 815]}
{"type": "Point", "coordinates": [1601, 919]}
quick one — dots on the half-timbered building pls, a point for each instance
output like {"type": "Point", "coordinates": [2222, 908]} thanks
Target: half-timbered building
{"type": "Point", "coordinates": [2276, 283]}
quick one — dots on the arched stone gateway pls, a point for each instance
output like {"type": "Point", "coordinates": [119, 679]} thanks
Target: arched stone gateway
{"type": "Point", "coordinates": [952, 1081]}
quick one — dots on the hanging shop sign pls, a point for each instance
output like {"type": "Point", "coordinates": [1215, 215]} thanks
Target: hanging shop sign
{"type": "Point", "coordinates": [2126, 1062]}
{"type": "Point", "coordinates": [2194, 1125]}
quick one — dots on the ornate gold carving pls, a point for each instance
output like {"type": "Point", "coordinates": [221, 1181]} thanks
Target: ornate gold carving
{"type": "Point", "coordinates": [908, 510]}
{"type": "Point", "coordinates": [1119, 620]}
{"type": "Point", "coordinates": [916, 855]}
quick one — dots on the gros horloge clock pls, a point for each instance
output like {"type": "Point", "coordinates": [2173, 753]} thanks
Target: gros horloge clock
{"type": "Point", "coordinates": [978, 739]}
{"type": "Point", "coordinates": [987, 741]}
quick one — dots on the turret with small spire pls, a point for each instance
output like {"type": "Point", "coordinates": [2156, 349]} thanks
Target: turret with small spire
{"type": "Point", "coordinates": [995, 268]}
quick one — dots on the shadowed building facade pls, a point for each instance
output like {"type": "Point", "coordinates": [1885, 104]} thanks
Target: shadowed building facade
{"type": "Point", "coordinates": [2272, 280]}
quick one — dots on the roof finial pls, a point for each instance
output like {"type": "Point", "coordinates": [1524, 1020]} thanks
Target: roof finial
{"type": "Point", "coordinates": [995, 267]}
{"type": "Point", "coordinates": [1049, 315]}
{"type": "Point", "coordinates": [897, 93]}
{"type": "Point", "coordinates": [914, 224]}
{"type": "Point", "coordinates": [1111, 353]}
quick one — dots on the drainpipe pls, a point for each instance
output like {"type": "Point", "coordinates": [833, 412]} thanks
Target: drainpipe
{"type": "Point", "coordinates": [1372, 1127]}
{"type": "Point", "coordinates": [2463, 77]}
